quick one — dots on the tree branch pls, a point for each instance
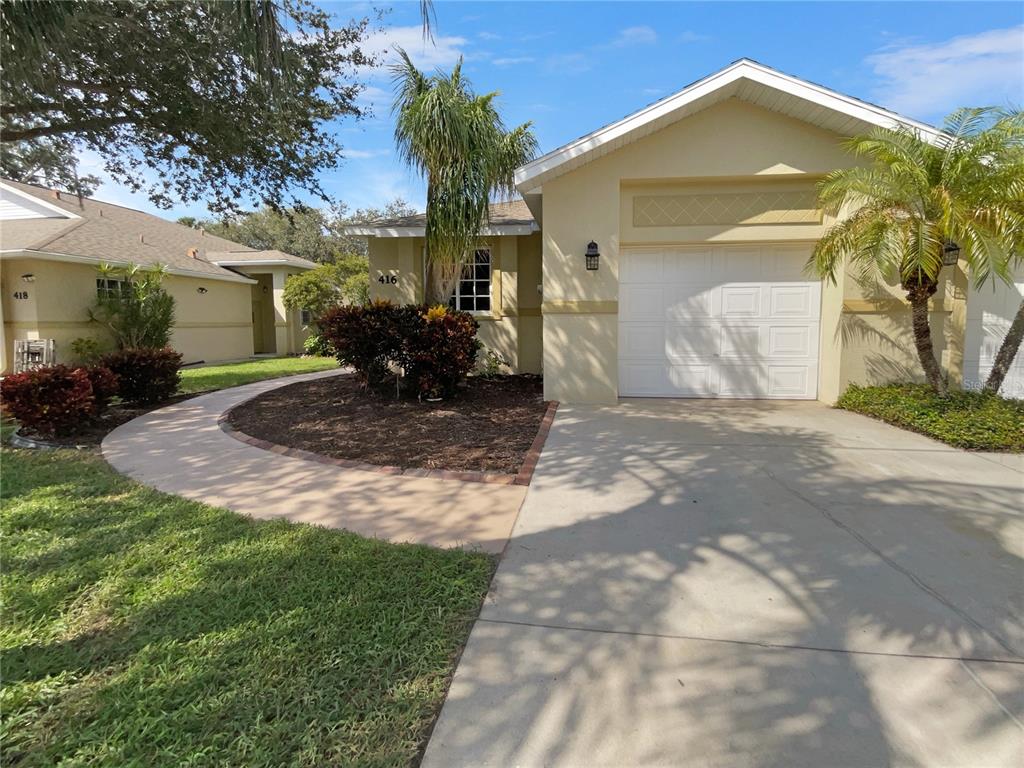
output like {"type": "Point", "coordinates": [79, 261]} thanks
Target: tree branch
{"type": "Point", "coordinates": [60, 129]}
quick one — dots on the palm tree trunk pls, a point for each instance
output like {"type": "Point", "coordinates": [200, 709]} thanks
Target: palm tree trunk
{"type": "Point", "coordinates": [918, 294]}
{"type": "Point", "coordinates": [1007, 352]}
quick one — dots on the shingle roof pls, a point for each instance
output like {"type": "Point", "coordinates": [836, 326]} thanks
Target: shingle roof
{"type": "Point", "coordinates": [273, 256]}
{"type": "Point", "coordinates": [112, 233]}
{"type": "Point", "coordinates": [513, 213]}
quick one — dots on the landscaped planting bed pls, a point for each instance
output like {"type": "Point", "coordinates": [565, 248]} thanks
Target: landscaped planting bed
{"type": "Point", "coordinates": [971, 420]}
{"type": "Point", "coordinates": [487, 427]}
{"type": "Point", "coordinates": [144, 629]}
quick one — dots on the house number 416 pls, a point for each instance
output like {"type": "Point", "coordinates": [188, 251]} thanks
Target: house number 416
{"type": "Point", "coordinates": [388, 279]}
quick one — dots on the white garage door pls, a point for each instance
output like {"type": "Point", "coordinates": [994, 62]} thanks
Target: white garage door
{"type": "Point", "coordinates": [718, 321]}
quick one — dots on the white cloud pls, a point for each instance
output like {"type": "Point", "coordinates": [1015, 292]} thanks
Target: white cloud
{"type": "Point", "coordinates": [512, 60]}
{"type": "Point", "coordinates": [929, 80]}
{"type": "Point", "coordinates": [442, 53]}
{"type": "Point", "coordinates": [568, 63]}
{"type": "Point", "coordinates": [635, 36]}
{"type": "Point", "coordinates": [365, 154]}
{"type": "Point", "coordinates": [689, 36]}
{"type": "Point", "coordinates": [488, 36]}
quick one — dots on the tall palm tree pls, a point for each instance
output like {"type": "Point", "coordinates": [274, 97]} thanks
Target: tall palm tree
{"type": "Point", "coordinates": [457, 141]}
{"type": "Point", "coordinates": [916, 198]}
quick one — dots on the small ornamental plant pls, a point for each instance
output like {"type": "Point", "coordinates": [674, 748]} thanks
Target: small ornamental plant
{"type": "Point", "coordinates": [442, 351]}
{"type": "Point", "coordinates": [50, 401]}
{"type": "Point", "coordinates": [145, 376]}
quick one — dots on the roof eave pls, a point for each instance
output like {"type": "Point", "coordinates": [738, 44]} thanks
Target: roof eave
{"type": "Point", "coordinates": [499, 230]}
{"type": "Point", "coordinates": [262, 263]}
{"type": "Point", "coordinates": [531, 175]}
{"type": "Point", "coordinates": [30, 253]}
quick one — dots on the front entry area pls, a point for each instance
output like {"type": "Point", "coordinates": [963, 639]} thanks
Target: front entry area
{"type": "Point", "coordinates": [735, 321]}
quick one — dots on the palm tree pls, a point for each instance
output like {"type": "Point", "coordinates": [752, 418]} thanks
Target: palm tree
{"type": "Point", "coordinates": [458, 142]}
{"type": "Point", "coordinates": [918, 198]}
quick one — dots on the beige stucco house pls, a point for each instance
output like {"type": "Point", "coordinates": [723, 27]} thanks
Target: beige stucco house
{"type": "Point", "coordinates": [229, 298]}
{"type": "Point", "coordinates": [702, 207]}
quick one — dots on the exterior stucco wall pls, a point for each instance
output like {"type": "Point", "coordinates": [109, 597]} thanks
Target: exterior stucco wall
{"type": "Point", "coordinates": [731, 147]}
{"type": "Point", "coordinates": [211, 326]}
{"type": "Point", "coordinates": [512, 327]}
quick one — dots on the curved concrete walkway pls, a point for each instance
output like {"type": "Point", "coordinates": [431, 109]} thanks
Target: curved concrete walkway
{"type": "Point", "coordinates": [181, 449]}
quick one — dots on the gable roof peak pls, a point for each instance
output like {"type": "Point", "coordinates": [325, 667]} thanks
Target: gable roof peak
{"type": "Point", "coordinates": [745, 79]}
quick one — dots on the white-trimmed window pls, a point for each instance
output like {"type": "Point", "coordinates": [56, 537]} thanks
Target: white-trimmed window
{"type": "Point", "coordinates": [473, 290]}
{"type": "Point", "coordinates": [109, 286]}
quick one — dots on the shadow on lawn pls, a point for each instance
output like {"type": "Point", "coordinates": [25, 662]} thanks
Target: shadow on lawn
{"type": "Point", "coordinates": [156, 631]}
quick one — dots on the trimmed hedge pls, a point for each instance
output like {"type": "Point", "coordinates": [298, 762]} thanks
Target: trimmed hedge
{"type": "Point", "coordinates": [971, 420]}
{"type": "Point", "coordinates": [146, 376]}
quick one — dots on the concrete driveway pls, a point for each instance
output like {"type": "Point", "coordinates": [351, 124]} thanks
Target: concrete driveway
{"type": "Point", "coordinates": [703, 583]}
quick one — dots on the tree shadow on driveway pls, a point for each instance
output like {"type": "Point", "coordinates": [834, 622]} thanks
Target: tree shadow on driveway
{"type": "Point", "coordinates": [748, 584]}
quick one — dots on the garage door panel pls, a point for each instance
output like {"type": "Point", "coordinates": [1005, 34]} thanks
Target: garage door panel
{"type": "Point", "coordinates": [642, 341]}
{"type": "Point", "coordinates": [642, 302]}
{"type": "Point", "coordinates": [722, 321]}
{"type": "Point", "coordinates": [643, 267]}
{"type": "Point", "coordinates": [688, 302]}
{"type": "Point", "coordinates": [740, 301]}
{"type": "Point", "coordinates": [792, 301]}
{"type": "Point", "coordinates": [788, 380]}
{"type": "Point", "coordinates": [690, 341]}
{"type": "Point", "coordinates": [741, 340]}
{"type": "Point", "coordinates": [792, 340]}
{"type": "Point", "coordinates": [741, 380]}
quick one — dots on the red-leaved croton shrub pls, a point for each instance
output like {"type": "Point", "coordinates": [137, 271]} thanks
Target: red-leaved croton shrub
{"type": "Point", "coordinates": [435, 347]}
{"type": "Point", "coordinates": [442, 351]}
{"type": "Point", "coordinates": [50, 401]}
{"type": "Point", "coordinates": [370, 338]}
{"type": "Point", "coordinates": [145, 376]}
{"type": "Point", "coordinates": [104, 386]}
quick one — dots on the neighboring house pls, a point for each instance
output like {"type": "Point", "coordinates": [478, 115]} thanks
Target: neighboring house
{"type": "Point", "coordinates": [703, 209]}
{"type": "Point", "coordinates": [229, 298]}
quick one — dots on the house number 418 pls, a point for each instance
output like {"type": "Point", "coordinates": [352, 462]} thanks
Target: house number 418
{"type": "Point", "coordinates": [388, 279]}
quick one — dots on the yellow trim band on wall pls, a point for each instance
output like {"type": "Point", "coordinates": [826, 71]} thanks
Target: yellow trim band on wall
{"type": "Point", "coordinates": [580, 308]}
{"type": "Point", "coordinates": [868, 307]}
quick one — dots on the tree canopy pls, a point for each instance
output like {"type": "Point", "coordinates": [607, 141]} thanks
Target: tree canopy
{"type": "Point", "coordinates": [458, 142]}
{"type": "Point", "coordinates": [915, 198]}
{"type": "Point", "coordinates": [312, 233]}
{"type": "Point", "coordinates": [225, 101]}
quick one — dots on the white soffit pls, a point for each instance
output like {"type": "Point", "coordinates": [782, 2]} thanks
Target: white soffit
{"type": "Point", "coordinates": [744, 79]}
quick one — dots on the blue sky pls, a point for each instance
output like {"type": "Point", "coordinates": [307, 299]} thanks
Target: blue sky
{"type": "Point", "coordinates": [571, 67]}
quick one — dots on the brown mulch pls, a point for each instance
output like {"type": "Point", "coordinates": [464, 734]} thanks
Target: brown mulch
{"type": "Point", "coordinates": [488, 427]}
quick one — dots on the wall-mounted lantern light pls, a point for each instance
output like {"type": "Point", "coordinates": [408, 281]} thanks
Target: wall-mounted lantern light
{"type": "Point", "coordinates": [593, 255]}
{"type": "Point", "coordinates": [202, 289]}
{"type": "Point", "coordinates": [950, 254]}
{"type": "Point", "coordinates": [266, 289]}
{"type": "Point", "coordinates": [28, 277]}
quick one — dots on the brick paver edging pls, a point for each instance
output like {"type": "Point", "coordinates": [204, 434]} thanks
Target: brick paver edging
{"type": "Point", "coordinates": [523, 477]}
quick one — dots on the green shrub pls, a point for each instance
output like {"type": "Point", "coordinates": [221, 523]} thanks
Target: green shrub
{"type": "Point", "coordinates": [316, 345]}
{"type": "Point", "coordinates": [145, 376]}
{"type": "Point", "coordinates": [51, 401]}
{"type": "Point", "coordinates": [135, 308]}
{"type": "Point", "coordinates": [972, 420]}
{"type": "Point", "coordinates": [87, 350]}
{"type": "Point", "coordinates": [441, 352]}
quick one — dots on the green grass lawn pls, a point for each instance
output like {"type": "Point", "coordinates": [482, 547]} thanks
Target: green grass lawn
{"type": "Point", "coordinates": [141, 629]}
{"type": "Point", "coordinates": [963, 419]}
{"type": "Point", "coordinates": [211, 377]}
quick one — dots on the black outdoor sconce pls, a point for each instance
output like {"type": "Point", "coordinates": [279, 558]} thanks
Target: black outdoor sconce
{"type": "Point", "coordinates": [593, 255]}
{"type": "Point", "coordinates": [201, 289]}
{"type": "Point", "coordinates": [950, 254]}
